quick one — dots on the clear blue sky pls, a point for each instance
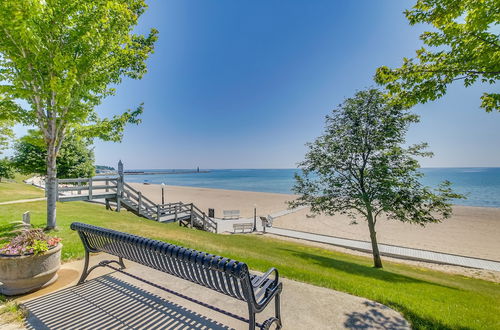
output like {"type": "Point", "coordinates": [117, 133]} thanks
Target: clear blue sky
{"type": "Point", "coordinates": [245, 84]}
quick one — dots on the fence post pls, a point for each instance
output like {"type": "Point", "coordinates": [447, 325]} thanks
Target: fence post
{"type": "Point", "coordinates": [27, 218]}
{"type": "Point", "coordinates": [191, 217]}
{"type": "Point", "coordinates": [57, 190]}
{"type": "Point", "coordinates": [204, 219]}
{"type": "Point", "coordinates": [119, 188]}
{"type": "Point", "coordinates": [139, 202]}
{"type": "Point", "coordinates": [107, 185]}
{"type": "Point", "coordinates": [176, 215]}
{"type": "Point", "coordinates": [90, 189]}
{"type": "Point", "coordinates": [79, 185]}
{"type": "Point", "coordinates": [157, 212]}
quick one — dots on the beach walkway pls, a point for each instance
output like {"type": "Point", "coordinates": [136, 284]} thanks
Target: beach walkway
{"type": "Point", "coordinates": [391, 250]}
{"type": "Point", "coordinates": [24, 201]}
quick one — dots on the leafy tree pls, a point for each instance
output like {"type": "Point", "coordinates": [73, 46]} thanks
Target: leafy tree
{"type": "Point", "coordinates": [463, 46]}
{"type": "Point", "coordinates": [6, 134]}
{"type": "Point", "coordinates": [60, 57]}
{"type": "Point", "coordinates": [360, 167]}
{"type": "Point", "coordinates": [6, 169]}
{"type": "Point", "coordinates": [76, 158]}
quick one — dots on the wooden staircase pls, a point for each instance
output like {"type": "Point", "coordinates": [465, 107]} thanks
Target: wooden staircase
{"type": "Point", "coordinates": [119, 194]}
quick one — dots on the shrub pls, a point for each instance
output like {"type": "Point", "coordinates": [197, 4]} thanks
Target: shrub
{"type": "Point", "coordinates": [29, 241]}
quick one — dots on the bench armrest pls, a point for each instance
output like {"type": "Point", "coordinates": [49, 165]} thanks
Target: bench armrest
{"type": "Point", "coordinates": [266, 276]}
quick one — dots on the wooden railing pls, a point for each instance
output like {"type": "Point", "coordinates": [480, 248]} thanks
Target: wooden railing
{"type": "Point", "coordinates": [115, 188]}
{"type": "Point", "coordinates": [90, 185]}
{"type": "Point", "coordinates": [207, 222]}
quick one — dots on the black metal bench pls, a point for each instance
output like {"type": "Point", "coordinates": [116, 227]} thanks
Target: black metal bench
{"type": "Point", "coordinates": [243, 226]}
{"type": "Point", "coordinates": [227, 276]}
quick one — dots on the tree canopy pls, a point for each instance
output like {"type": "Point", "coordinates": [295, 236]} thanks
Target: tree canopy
{"type": "Point", "coordinates": [59, 59]}
{"type": "Point", "coordinates": [463, 45]}
{"type": "Point", "coordinates": [360, 167]}
{"type": "Point", "coordinates": [76, 156]}
{"type": "Point", "coordinates": [6, 134]}
{"type": "Point", "coordinates": [6, 169]}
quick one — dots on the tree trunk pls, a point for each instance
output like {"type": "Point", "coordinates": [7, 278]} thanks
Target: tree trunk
{"type": "Point", "coordinates": [377, 262]}
{"type": "Point", "coordinates": [51, 187]}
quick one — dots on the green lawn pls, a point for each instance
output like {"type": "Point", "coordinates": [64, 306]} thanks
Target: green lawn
{"type": "Point", "coordinates": [16, 190]}
{"type": "Point", "coordinates": [428, 299]}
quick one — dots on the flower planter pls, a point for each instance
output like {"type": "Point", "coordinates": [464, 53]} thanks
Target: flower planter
{"type": "Point", "coordinates": [27, 273]}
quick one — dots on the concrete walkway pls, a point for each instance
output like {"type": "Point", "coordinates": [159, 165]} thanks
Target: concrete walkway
{"type": "Point", "coordinates": [391, 250]}
{"type": "Point", "coordinates": [24, 201]}
{"type": "Point", "coordinates": [113, 300]}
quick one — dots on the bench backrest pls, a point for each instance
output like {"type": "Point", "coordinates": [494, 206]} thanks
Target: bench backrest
{"type": "Point", "coordinates": [231, 214]}
{"type": "Point", "coordinates": [243, 225]}
{"type": "Point", "coordinates": [224, 275]}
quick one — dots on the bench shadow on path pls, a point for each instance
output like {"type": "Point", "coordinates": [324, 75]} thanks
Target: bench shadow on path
{"type": "Point", "coordinates": [107, 302]}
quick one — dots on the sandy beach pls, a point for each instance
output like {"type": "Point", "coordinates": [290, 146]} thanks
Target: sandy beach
{"type": "Point", "coordinates": [471, 231]}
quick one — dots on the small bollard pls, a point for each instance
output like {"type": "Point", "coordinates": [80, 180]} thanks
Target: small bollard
{"type": "Point", "coordinates": [27, 217]}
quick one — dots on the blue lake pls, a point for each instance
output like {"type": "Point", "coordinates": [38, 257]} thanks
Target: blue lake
{"type": "Point", "coordinates": [480, 185]}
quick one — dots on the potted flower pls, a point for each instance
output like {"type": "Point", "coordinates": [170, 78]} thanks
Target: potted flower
{"type": "Point", "coordinates": [29, 262]}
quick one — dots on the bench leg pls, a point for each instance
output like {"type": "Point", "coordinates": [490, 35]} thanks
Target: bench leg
{"type": "Point", "coordinates": [120, 262]}
{"type": "Point", "coordinates": [85, 268]}
{"type": "Point", "coordinates": [266, 325]}
{"type": "Point", "coordinates": [277, 309]}
{"type": "Point", "coordinates": [251, 318]}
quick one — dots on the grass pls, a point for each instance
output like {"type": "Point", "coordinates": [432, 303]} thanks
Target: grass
{"type": "Point", "coordinates": [428, 299]}
{"type": "Point", "coordinates": [16, 190]}
{"type": "Point", "coordinates": [11, 312]}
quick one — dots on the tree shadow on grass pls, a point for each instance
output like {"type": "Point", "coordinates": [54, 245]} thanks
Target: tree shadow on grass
{"type": "Point", "coordinates": [374, 318]}
{"type": "Point", "coordinates": [361, 270]}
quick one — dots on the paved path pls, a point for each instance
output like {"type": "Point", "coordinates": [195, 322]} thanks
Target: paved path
{"type": "Point", "coordinates": [24, 201]}
{"type": "Point", "coordinates": [391, 250]}
{"type": "Point", "coordinates": [116, 301]}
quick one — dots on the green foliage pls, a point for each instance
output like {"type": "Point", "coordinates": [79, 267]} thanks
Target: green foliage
{"type": "Point", "coordinates": [60, 57]}
{"type": "Point", "coordinates": [360, 167]}
{"type": "Point", "coordinates": [6, 134]}
{"type": "Point", "coordinates": [462, 46]}
{"type": "Point", "coordinates": [76, 158]}
{"type": "Point", "coordinates": [104, 167]}
{"type": "Point", "coordinates": [38, 247]}
{"type": "Point", "coordinates": [6, 169]}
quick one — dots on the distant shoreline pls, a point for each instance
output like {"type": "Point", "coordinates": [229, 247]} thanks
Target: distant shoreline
{"type": "Point", "coordinates": [265, 192]}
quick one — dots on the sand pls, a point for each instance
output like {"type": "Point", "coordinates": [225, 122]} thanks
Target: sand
{"type": "Point", "coordinates": [471, 231]}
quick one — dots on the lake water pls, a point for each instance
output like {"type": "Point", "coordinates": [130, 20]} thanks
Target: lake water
{"type": "Point", "coordinates": [480, 185]}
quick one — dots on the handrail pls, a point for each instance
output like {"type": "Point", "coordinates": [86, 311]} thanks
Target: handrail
{"type": "Point", "coordinates": [144, 198]}
{"type": "Point", "coordinates": [143, 205]}
{"type": "Point", "coordinates": [203, 217]}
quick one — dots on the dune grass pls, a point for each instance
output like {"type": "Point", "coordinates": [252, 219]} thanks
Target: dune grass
{"type": "Point", "coordinates": [427, 298]}
{"type": "Point", "coordinates": [13, 190]}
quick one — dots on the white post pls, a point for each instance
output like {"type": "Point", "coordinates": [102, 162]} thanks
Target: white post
{"type": "Point", "coordinates": [90, 189]}
{"type": "Point", "coordinates": [139, 202]}
{"type": "Point", "coordinates": [26, 218]}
